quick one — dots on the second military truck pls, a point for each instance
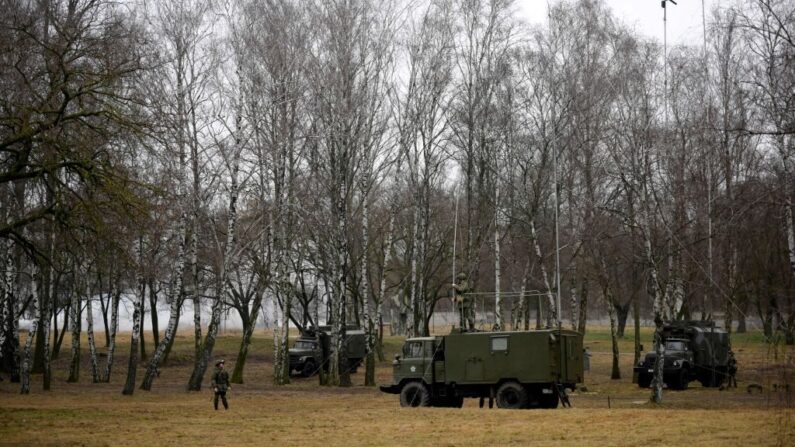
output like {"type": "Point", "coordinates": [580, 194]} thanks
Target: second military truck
{"type": "Point", "coordinates": [694, 350]}
{"type": "Point", "coordinates": [313, 347]}
{"type": "Point", "coordinates": [528, 369]}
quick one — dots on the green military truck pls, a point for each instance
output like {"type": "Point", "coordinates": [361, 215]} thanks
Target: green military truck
{"type": "Point", "coordinates": [528, 369]}
{"type": "Point", "coordinates": [694, 350]}
{"type": "Point", "coordinates": [312, 350]}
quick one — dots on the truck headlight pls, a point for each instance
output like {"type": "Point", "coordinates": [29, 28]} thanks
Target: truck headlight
{"type": "Point", "coordinates": [677, 363]}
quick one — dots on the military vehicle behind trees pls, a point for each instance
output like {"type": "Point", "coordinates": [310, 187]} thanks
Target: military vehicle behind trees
{"type": "Point", "coordinates": [694, 350]}
{"type": "Point", "coordinates": [312, 350]}
{"type": "Point", "coordinates": [527, 369]}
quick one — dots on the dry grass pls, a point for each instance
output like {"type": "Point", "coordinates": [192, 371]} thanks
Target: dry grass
{"type": "Point", "coordinates": [304, 414]}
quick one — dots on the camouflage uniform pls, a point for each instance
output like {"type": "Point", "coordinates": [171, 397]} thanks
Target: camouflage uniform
{"type": "Point", "coordinates": [731, 368]}
{"type": "Point", "coordinates": [220, 382]}
{"type": "Point", "coordinates": [464, 303]}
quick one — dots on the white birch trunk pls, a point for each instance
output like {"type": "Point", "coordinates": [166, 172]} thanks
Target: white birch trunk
{"type": "Point", "coordinates": [498, 323]}
{"type": "Point", "coordinates": [92, 348]}
{"type": "Point", "coordinates": [74, 312]}
{"type": "Point", "coordinates": [46, 348]}
{"type": "Point", "coordinates": [200, 368]}
{"type": "Point", "coordinates": [575, 318]}
{"type": "Point", "coordinates": [551, 314]}
{"type": "Point", "coordinates": [657, 300]}
{"type": "Point", "coordinates": [132, 365]}
{"type": "Point", "coordinates": [411, 324]}
{"type": "Point", "coordinates": [524, 301]}
{"type": "Point", "coordinates": [318, 299]}
{"type": "Point", "coordinates": [5, 293]}
{"type": "Point", "coordinates": [175, 295]}
{"type": "Point", "coordinates": [27, 361]}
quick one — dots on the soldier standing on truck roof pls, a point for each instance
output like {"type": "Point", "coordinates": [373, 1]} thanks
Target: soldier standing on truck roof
{"type": "Point", "coordinates": [220, 382]}
{"type": "Point", "coordinates": [464, 302]}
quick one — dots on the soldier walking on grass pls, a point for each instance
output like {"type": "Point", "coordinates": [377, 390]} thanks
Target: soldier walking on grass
{"type": "Point", "coordinates": [220, 384]}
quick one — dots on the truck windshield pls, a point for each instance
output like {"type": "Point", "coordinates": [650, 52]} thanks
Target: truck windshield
{"type": "Point", "coordinates": [412, 350]}
{"type": "Point", "coordinates": [674, 346]}
{"type": "Point", "coordinates": [304, 345]}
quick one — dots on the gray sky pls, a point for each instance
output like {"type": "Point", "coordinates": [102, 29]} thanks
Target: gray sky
{"type": "Point", "coordinates": [645, 16]}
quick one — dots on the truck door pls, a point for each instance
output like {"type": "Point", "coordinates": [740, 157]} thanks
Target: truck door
{"type": "Point", "coordinates": [569, 358]}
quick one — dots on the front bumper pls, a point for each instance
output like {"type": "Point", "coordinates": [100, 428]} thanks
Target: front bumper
{"type": "Point", "coordinates": [391, 389]}
{"type": "Point", "coordinates": [650, 369]}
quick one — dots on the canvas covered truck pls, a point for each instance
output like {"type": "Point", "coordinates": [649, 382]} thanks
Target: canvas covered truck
{"type": "Point", "coordinates": [313, 348]}
{"type": "Point", "coordinates": [694, 350]}
{"type": "Point", "coordinates": [527, 369]}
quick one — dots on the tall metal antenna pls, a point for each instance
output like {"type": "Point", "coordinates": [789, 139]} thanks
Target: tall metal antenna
{"type": "Point", "coordinates": [557, 235]}
{"type": "Point", "coordinates": [665, 55]}
{"type": "Point", "coordinates": [708, 89]}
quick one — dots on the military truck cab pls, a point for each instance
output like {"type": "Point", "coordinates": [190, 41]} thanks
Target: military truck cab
{"type": "Point", "coordinates": [694, 350]}
{"type": "Point", "coordinates": [528, 369]}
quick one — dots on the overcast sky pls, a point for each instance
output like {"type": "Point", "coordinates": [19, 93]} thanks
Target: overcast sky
{"type": "Point", "coordinates": [646, 16]}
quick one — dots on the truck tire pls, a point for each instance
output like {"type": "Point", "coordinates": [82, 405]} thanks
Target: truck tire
{"type": "Point", "coordinates": [681, 380]}
{"type": "Point", "coordinates": [644, 380]}
{"type": "Point", "coordinates": [309, 369]}
{"type": "Point", "coordinates": [511, 395]}
{"type": "Point", "coordinates": [415, 394]}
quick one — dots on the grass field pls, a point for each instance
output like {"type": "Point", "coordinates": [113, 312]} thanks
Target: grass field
{"type": "Point", "coordinates": [306, 414]}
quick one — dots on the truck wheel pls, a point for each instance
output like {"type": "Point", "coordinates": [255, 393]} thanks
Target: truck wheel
{"type": "Point", "coordinates": [309, 369]}
{"type": "Point", "coordinates": [511, 395]}
{"type": "Point", "coordinates": [414, 394]}
{"type": "Point", "coordinates": [680, 380]}
{"type": "Point", "coordinates": [644, 380]}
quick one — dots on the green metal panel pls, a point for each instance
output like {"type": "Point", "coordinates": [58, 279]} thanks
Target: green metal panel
{"type": "Point", "coordinates": [471, 359]}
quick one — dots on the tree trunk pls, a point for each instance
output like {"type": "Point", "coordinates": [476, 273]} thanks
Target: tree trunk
{"type": "Point", "coordinates": [551, 312]}
{"type": "Point", "coordinates": [583, 306]}
{"type": "Point", "coordinates": [369, 373]}
{"type": "Point", "coordinates": [498, 323]}
{"type": "Point", "coordinates": [103, 305]}
{"type": "Point", "coordinates": [573, 293]}
{"type": "Point", "coordinates": [153, 313]}
{"type": "Point", "coordinates": [622, 314]}
{"type": "Point", "coordinates": [114, 298]}
{"type": "Point", "coordinates": [26, 363]}
{"type": "Point", "coordinates": [523, 319]}
{"type": "Point", "coordinates": [132, 366]}
{"type": "Point", "coordinates": [382, 286]}
{"type": "Point", "coordinates": [45, 335]}
{"type": "Point", "coordinates": [141, 336]}
{"type": "Point", "coordinates": [76, 323]}
{"type": "Point", "coordinates": [174, 311]}
{"type": "Point", "coordinates": [636, 320]}
{"type": "Point", "coordinates": [56, 350]}
{"type": "Point", "coordinates": [92, 349]}
{"type": "Point", "coordinates": [248, 331]}
{"type": "Point", "coordinates": [200, 367]}
{"type": "Point", "coordinates": [38, 352]}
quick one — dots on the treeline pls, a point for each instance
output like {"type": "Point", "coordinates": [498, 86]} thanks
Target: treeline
{"type": "Point", "coordinates": [335, 161]}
